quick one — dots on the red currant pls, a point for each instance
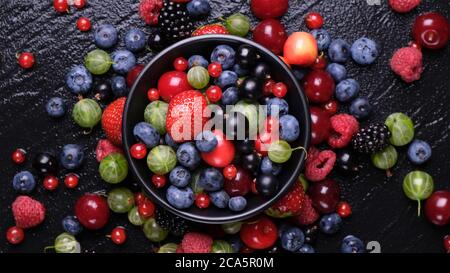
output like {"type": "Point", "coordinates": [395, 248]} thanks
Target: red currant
{"type": "Point", "coordinates": [83, 24]}
{"type": "Point", "coordinates": [71, 180]}
{"type": "Point", "coordinates": [431, 30]}
{"type": "Point", "coordinates": [279, 90]}
{"type": "Point", "coordinates": [138, 151]}
{"type": "Point", "coordinates": [153, 94]}
{"type": "Point", "coordinates": [343, 209]}
{"type": "Point", "coordinates": [61, 5]}
{"type": "Point", "coordinates": [159, 180]}
{"type": "Point", "coordinates": [214, 93]}
{"type": "Point", "coordinates": [18, 156]}
{"type": "Point", "coordinates": [320, 63]}
{"type": "Point", "coordinates": [79, 4]}
{"type": "Point", "coordinates": [267, 88]}
{"type": "Point", "coordinates": [15, 235]}
{"type": "Point", "coordinates": [202, 200]}
{"type": "Point", "coordinates": [50, 182]}
{"type": "Point", "coordinates": [146, 209]}
{"type": "Point", "coordinates": [447, 243]}
{"type": "Point", "coordinates": [180, 64]}
{"type": "Point", "coordinates": [118, 235]}
{"type": "Point", "coordinates": [331, 107]}
{"type": "Point", "coordinates": [139, 198]}
{"type": "Point", "coordinates": [229, 172]}
{"type": "Point", "coordinates": [215, 69]}
{"type": "Point", "coordinates": [314, 20]}
{"type": "Point", "coordinates": [261, 234]}
{"type": "Point", "coordinates": [26, 60]}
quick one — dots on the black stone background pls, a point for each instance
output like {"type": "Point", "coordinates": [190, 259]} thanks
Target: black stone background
{"type": "Point", "coordinates": [381, 211]}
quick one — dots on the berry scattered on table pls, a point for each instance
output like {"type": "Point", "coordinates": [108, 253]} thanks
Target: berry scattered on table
{"type": "Point", "coordinates": [403, 6]}
{"type": "Point", "coordinates": [120, 200]}
{"type": "Point", "coordinates": [45, 163]}
{"type": "Point", "coordinates": [372, 138]}
{"type": "Point", "coordinates": [61, 6]}
{"type": "Point", "coordinates": [365, 51]}
{"type": "Point", "coordinates": [55, 107]}
{"type": "Point", "coordinates": [112, 121]}
{"type": "Point", "coordinates": [15, 235]}
{"type": "Point", "coordinates": [418, 186]}
{"type": "Point", "coordinates": [118, 235]}
{"type": "Point", "coordinates": [18, 156]}
{"type": "Point", "coordinates": [260, 234]}
{"type": "Point", "coordinates": [175, 22]}
{"type": "Point", "coordinates": [301, 49]}
{"type": "Point", "coordinates": [431, 30]}
{"type": "Point", "coordinates": [270, 33]}
{"type": "Point", "coordinates": [264, 9]}
{"type": "Point", "coordinates": [314, 20]}
{"type": "Point", "coordinates": [71, 180]}
{"type": "Point", "coordinates": [84, 24]}
{"type": "Point", "coordinates": [419, 152]}
{"type": "Point", "coordinates": [135, 40]}
{"type": "Point", "coordinates": [210, 29]}
{"type": "Point", "coordinates": [198, 8]}
{"type": "Point", "coordinates": [27, 212]}
{"type": "Point", "coordinates": [330, 223]}
{"type": "Point", "coordinates": [407, 63]}
{"type": "Point", "coordinates": [339, 51]}
{"type": "Point", "coordinates": [71, 225]}
{"type": "Point", "coordinates": [196, 243]}
{"type": "Point", "coordinates": [352, 244]}
{"type": "Point", "coordinates": [238, 24]}
{"type": "Point", "coordinates": [149, 11]}
{"type": "Point", "coordinates": [437, 208]}
{"type": "Point", "coordinates": [26, 60]}
{"type": "Point", "coordinates": [50, 182]}
{"type": "Point", "coordinates": [343, 209]}
{"type": "Point", "coordinates": [24, 182]}
{"type": "Point", "coordinates": [105, 36]}
{"type": "Point", "coordinates": [92, 211]}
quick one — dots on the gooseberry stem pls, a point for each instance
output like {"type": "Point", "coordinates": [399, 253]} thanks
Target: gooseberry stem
{"type": "Point", "coordinates": [389, 173]}
{"type": "Point", "coordinates": [418, 208]}
{"type": "Point", "coordinates": [48, 247]}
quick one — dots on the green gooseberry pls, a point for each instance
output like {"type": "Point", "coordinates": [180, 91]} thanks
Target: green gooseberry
{"type": "Point", "coordinates": [155, 113]}
{"type": "Point", "coordinates": [385, 159]}
{"type": "Point", "coordinates": [198, 77]}
{"type": "Point", "coordinates": [65, 243]}
{"type": "Point", "coordinates": [238, 24]}
{"type": "Point", "coordinates": [168, 248]}
{"type": "Point", "coordinates": [232, 228]}
{"type": "Point", "coordinates": [418, 186]}
{"type": "Point", "coordinates": [134, 217]}
{"type": "Point", "coordinates": [280, 151]}
{"type": "Point", "coordinates": [98, 62]}
{"type": "Point", "coordinates": [401, 128]}
{"type": "Point", "coordinates": [120, 200]}
{"type": "Point", "coordinates": [113, 168]}
{"type": "Point", "coordinates": [220, 246]}
{"type": "Point", "coordinates": [304, 182]}
{"type": "Point", "coordinates": [161, 159]}
{"type": "Point", "coordinates": [153, 231]}
{"type": "Point", "coordinates": [87, 113]}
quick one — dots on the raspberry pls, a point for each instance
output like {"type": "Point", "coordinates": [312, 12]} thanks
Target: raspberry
{"type": "Point", "coordinates": [104, 148]}
{"type": "Point", "coordinates": [307, 215]}
{"type": "Point", "coordinates": [313, 152]}
{"type": "Point", "coordinates": [344, 126]}
{"type": "Point", "coordinates": [407, 63]}
{"type": "Point", "coordinates": [149, 11]}
{"type": "Point", "coordinates": [318, 168]}
{"type": "Point", "coordinates": [194, 242]}
{"type": "Point", "coordinates": [179, 249]}
{"type": "Point", "coordinates": [403, 6]}
{"type": "Point", "coordinates": [27, 212]}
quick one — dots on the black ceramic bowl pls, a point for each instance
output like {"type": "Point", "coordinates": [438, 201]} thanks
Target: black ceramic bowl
{"type": "Point", "coordinates": [137, 101]}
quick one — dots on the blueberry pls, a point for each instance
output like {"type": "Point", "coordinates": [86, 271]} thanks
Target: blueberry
{"type": "Point", "coordinates": [352, 244]}
{"type": "Point", "coordinates": [299, 73]}
{"type": "Point", "coordinates": [230, 96]}
{"type": "Point", "coordinates": [188, 156]}
{"type": "Point", "coordinates": [236, 243]}
{"type": "Point", "coordinates": [180, 177]}
{"type": "Point", "coordinates": [225, 55]}
{"type": "Point", "coordinates": [119, 86]}
{"type": "Point", "coordinates": [226, 79]}
{"type": "Point", "coordinates": [347, 90]}
{"type": "Point", "coordinates": [71, 225]}
{"type": "Point", "coordinates": [197, 60]}
{"type": "Point", "coordinates": [292, 239]}
{"type": "Point", "coordinates": [306, 249]}
{"type": "Point", "coordinates": [135, 40]}
{"type": "Point", "coordinates": [237, 203]}
{"type": "Point", "coordinates": [330, 223]}
{"type": "Point", "coordinates": [419, 152]}
{"type": "Point", "coordinates": [270, 167]}
{"type": "Point", "coordinates": [79, 80]}
{"type": "Point", "coordinates": [198, 8]}
{"type": "Point", "coordinates": [360, 108]}
{"type": "Point", "coordinates": [206, 141]}
{"type": "Point", "coordinates": [169, 141]}
{"type": "Point", "coordinates": [240, 71]}
{"type": "Point", "coordinates": [123, 61]}
{"type": "Point", "coordinates": [210, 179]}
{"type": "Point", "coordinates": [289, 128]}
{"type": "Point", "coordinates": [55, 107]}
{"type": "Point", "coordinates": [105, 36]}
{"type": "Point", "coordinates": [146, 133]}
{"type": "Point", "coordinates": [364, 51]}
{"type": "Point", "coordinates": [277, 104]}
{"type": "Point", "coordinates": [337, 71]}
{"type": "Point", "coordinates": [220, 199]}
{"type": "Point", "coordinates": [339, 51]}
{"type": "Point", "coordinates": [24, 182]}
{"type": "Point", "coordinates": [72, 156]}
{"type": "Point", "coordinates": [180, 198]}
{"type": "Point", "coordinates": [322, 37]}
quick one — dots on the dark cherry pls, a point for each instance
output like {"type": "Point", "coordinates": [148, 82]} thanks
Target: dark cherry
{"type": "Point", "coordinates": [324, 195]}
{"type": "Point", "coordinates": [437, 208]}
{"type": "Point", "coordinates": [245, 146]}
{"type": "Point", "coordinates": [246, 56]}
{"type": "Point", "coordinates": [267, 185]}
{"type": "Point", "coordinates": [251, 161]}
{"type": "Point", "coordinates": [102, 90]}
{"type": "Point", "coordinates": [310, 233]}
{"type": "Point", "coordinates": [92, 211]}
{"type": "Point", "coordinates": [45, 163]}
{"type": "Point", "coordinates": [431, 30]}
{"type": "Point", "coordinates": [346, 163]}
{"type": "Point", "coordinates": [320, 125]}
{"type": "Point", "coordinates": [155, 41]}
{"type": "Point", "coordinates": [271, 34]}
{"type": "Point", "coordinates": [261, 70]}
{"type": "Point", "coordinates": [318, 86]}
{"type": "Point", "coordinates": [240, 184]}
{"type": "Point", "coordinates": [251, 89]}
{"type": "Point", "coordinates": [236, 125]}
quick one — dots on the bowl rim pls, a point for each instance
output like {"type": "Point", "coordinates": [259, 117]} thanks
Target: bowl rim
{"type": "Point", "coordinates": [238, 216]}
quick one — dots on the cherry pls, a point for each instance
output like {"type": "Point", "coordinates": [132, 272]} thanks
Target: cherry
{"type": "Point", "coordinates": [61, 5]}
{"type": "Point", "coordinates": [264, 9]}
{"type": "Point", "coordinates": [172, 83]}
{"type": "Point", "coordinates": [146, 209]}
{"type": "Point", "coordinates": [180, 64]}
{"type": "Point", "coordinates": [83, 24]}
{"type": "Point", "coordinates": [447, 243]}
{"type": "Point", "coordinates": [300, 49]}
{"type": "Point", "coordinates": [320, 125]}
{"type": "Point", "coordinates": [431, 30]}
{"type": "Point", "coordinates": [279, 90]}
{"type": "Point", "coordinates": [319, 86]}
{"type": "Point", "coordinates": [314, 20]}
{"type": "Point", "coordinates": [253, 187]}
{"type": "Point", "coordinates": [153, 94]}
{"type": "Point", "coordinates": [229, 172]}
{"type": "Point", "coordinates": [223, 154]}
{"type": "Point", "coordinates": [138, 151]}
{"type": "Point", "coordinates": [159, 180]}
{"type": "Point", "coordinates": [71, 180]}
{"type": "Point", "coordinates": [324, 195]}
{"type": "Point", "coordinates": [26, 60]}
{"type": "Point", "coordinates": [18, 156]}
{"type": "Point", "coordinates": [50, 182]}
{"type": "Point", "coordinates": [118, 235]}
{"type": "Point", "coordinates": [15, 235]}
{"type": "Point", "coordinates": [214, 93]}
{"type": "Point", "coordinates": [133, 74]}
{"type": "Point", "coordinates": [240, 184]}
{"type": "Point", "coordinates": [267, 88]}
{"type": "Point", "coordinates": [215, 69]}
{"type": "Point", "coordinates": [320, 63]}
{"type": "Point", "coordinates": [270, 33]}
{"type": "Point", "coordinates": [343, 209]}
{"type": "Point", "coordinates": [331, 107]}
{"type": "Point", "coordinates": [139, 198]}
{"type": "Point", "coordinates": [437, 208]}
{"type": "Point", "coordinates": [270, 124]}
{"type": "Point", "coordinates": [79, 4]}
{"type": "Point", "coordinates": [92, 211]}
{"type": "Point", "coordinates": [202, 200]}
{"type": "Point", "coordinates": [260, 234]}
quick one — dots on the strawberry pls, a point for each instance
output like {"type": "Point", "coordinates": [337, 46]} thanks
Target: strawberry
{"type": "Point", "coordinates": [104, 148]}
{"type": "Point", "coordinates": [185, 117]}
{"type": "Point", "coordinates": [291, 204]}
{"type": "Point", "coordinates": [112, 121]}
{"type": "Point", "coordinates": [27, 212]}
{"type": "Point", "coordinates": [210, 29]}
{"type": "Point", "coordinates": [307, 215]}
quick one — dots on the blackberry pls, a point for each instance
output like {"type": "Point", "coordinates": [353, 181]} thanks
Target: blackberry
{"type": "Point", "coordinates": [372, 138]}
{"type": "Point", "coordinates": [174, 22]}
{"type": "Point", "coordinates": [169, 221]}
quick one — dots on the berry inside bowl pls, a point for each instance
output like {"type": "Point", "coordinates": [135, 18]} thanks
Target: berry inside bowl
{"type": "Point", "coordinates": [137, 102]}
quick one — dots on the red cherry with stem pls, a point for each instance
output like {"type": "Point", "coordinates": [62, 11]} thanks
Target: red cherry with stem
{"type": "Point", "coordinates": [314, 20]}
{"type": "Point", "coordinates": [214, 93]}
{"type": "Point", "coordinates": [92, 211]}
{"type": "Point", "coordinates": [18, 156]}
{"type": "Point", "coordinates": [431, 30]}
{"type": "Point", "coordinates": [180, 64]}
{"type": "Point", "coordinates": [343, 209]}
{"type": "Point", "coordinates": [264, 9]}
{"type": "Point", "coordinates": [319, 86]}
{"type": "Point", "coordinates": [320, 125]}
{"type": "Point", "coordinates": [153, 94]}
{"type": "Point", "coordinates": [138, 151]}
{"type": "Point", "coordinates": [320, 63]}
{"type": "Point", "coordinates": [26, 60]}
{"type": "Point", "coordinates": [270, 33]}
{"type": "Point", "coordinates": [133, 74]}
{"type": "Point", "coordinates": [437, 208]}
{"type": "Point", "coordinates": [279, 90]}
{"type": "Point", "coordinates": [267, 88]}
{"type": "Point", "coordinates": [50, 182]}
{"type": "Point", "coordinates": [447, 243]}
{"type": "Point", "coordinates": [240, 184]}
{"type": "Point", "coordinates": [159, 180]}
{"type": "Point", "coordinates": [83, 24]}
{"type": "Point", "coordinates": [229, 172]}
{"type": "Point", "coordinates": [331, 107]}
{"type": "Point", "coordinates": [172, 83]}
{"type": "Point", "coordinates": [324, 195]}
{"type": "Point", "coordinates": [139, 198]}
{"type": "Point", "coordinates": [223, 154]}
{"type": "Point", "coordinates": [71, 180]}
{"type": "Point", "coordinates": [118, 235]}
{"type": "Point", "coordinates": [61, 5]}
{"type": "Point", "coordinates": [215, 69]}
{"type": "Point", "coordinates": [260, 234]}
{"type": "Point", "coordinates": [146, 209]}
{"type": "Point", "coordinates": [15, 235]}
{"type": "Point", "coordinates": [79, 4]}
{"type": "Point", "coordinates": [202, 200]}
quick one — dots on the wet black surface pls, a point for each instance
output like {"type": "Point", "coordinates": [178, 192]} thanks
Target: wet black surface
{"type": "Point", "coordinates": [381, 211]}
